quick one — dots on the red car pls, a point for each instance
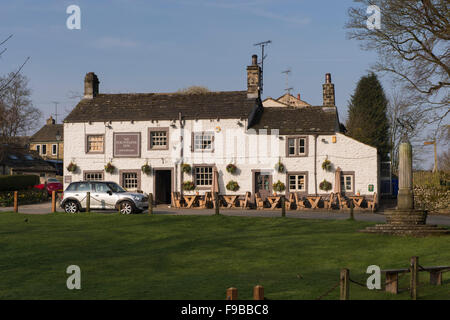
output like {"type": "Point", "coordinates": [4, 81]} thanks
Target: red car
{"type": "Point", "coordinates": [52, 185]}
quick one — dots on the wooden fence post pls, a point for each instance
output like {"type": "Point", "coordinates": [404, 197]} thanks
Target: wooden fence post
{"type": "Point", "coordinates": [414, 277]}
{"type": "Point", "coordinates": [53, 201]}
{"type": "Point", "coordinates": [232, 294]}
{"type": "Point", "coordinates": [216, 205]}
{"type": "Point", "coordinates": [283, 206]}
{"type": "Point", "coordinates": [150, 203]}
{"type": "Point", "coordinates": [344, 282]}
{"type": "Point", "coordinates": [258, 293]}
{"type": "Point", "coordinates": [88, 201]}
{"type": "Point", "coordinates": [352, 205]}
{"type": "Point", "coordinates": [16, 201]}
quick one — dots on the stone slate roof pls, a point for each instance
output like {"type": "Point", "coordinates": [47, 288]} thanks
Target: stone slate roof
{"type": "Point", "coordinates": [48, 133]}
{"type": "Point", "coordinates": [292, 121]}
{"type": "Point", "coordinates": [20, 158]}
{"type": "Point", "coordinates": [163, 106]}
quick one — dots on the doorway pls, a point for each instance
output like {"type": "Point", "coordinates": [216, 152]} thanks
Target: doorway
{"type": "Point", "coordinates": [262, 183]}
{"type": "Point", "coordinates": [162, 185]}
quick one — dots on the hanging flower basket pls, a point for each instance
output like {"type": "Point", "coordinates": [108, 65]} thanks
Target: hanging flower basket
{"type": "Point", "coordinates": [279, 186]}
{"type": "Point", "coordinates": [231, 168]}
{"type": "Point", "coordinates": [109, 167]}
{"type": "Point", "coordinates": [188, 186]}
{"type": "Point", "coordinates": [325, 185]}
{"type": "Point", "coordinates": [186, 168]}
{"type": "Point", "coordinates": [72, 167]}
{"type": "Point", "coordinates": [146, 169]}
{"type": "Point", "coordinates": [326, 165]}
{"type": "Point", "coordinates": [279, 167]}
{"type": "Point", "coordinates": [232, 186]}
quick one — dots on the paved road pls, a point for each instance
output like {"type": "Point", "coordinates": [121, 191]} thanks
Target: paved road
{"type": "Point", "coordinates": [44, 208]}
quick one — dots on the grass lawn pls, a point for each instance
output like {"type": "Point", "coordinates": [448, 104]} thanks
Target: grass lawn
{"type": "Point", "coordinates": [198, 257]}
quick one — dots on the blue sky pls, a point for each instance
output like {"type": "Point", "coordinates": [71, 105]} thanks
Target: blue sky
{"type": "Point", "coordinates": [165, 45]}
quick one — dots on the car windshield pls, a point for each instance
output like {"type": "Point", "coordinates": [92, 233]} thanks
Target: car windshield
{"type": "Point", "coordinates": [115, 187]}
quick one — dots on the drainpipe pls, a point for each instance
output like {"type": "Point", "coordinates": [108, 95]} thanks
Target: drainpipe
{"type": "Point", "coordinates": [315, 164]}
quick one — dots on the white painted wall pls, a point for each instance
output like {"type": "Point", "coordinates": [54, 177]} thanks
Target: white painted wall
{"type": "Point", "coordinates": [249, 151]}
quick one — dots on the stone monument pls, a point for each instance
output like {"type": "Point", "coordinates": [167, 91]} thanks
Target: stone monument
{"type": "Point", "coordinates": [405, 219]}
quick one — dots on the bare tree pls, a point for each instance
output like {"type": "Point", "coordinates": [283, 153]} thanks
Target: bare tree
{"type": "Point", "coordinates": [17, 114]}
{"type": "Point", "coordinates": [412, 46]}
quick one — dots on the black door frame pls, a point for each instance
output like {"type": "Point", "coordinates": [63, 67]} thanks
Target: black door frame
{"type": "Point", "coordinates": [172, 180]}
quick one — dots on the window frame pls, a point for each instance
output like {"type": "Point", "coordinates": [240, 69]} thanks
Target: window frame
{"type": "Point", "coordinates": [343, 175]}
{"type": "Point", "coordinates": [42, 149]}
{"type": "Point", "coordinates": [87, 143]}
{"type": "Point", "coordinates": [87, 172]}
{"type": "Point", "coordinates": [202, 133]}
{"type": "Point", "coordinates": [138, 174]}
{"type": "Point", "coordinates": [158, 129]}
{"type": "Point", "coordinates": [54, 145]}
{"type": "Point", "coordinates": [38, 148]}
{"type": "Point", "coordinates": [297, 140]}
{"type": "Point", "coordinates": [194, 176]}
{"type": "Point", "coordinates": [297, 173]}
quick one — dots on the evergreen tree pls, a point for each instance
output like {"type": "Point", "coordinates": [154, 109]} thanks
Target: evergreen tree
{"type": "Point", "coordinates": [367, 121]}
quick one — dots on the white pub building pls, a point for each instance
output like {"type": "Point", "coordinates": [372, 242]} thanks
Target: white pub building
{"type": "Point", "coordinates": [185, 137]}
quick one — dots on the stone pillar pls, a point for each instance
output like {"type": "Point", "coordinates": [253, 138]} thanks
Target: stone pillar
{"type": "Point", "coordinates": [405, 199]}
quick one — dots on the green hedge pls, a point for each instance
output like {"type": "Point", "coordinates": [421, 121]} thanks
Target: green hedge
{"type": "Point", "coordinates": [24, 197]}
{"type": "Point", "coordinates": [18, 182]}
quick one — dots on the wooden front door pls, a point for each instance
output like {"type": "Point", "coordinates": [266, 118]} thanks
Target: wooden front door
{"type": "Point", "coordinates": [263, 184]}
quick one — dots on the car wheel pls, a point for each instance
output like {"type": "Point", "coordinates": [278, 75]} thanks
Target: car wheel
{"type": "Point", "coordinates": [126, 207]}
{"type": "Point", "coordinates": [71, 207]}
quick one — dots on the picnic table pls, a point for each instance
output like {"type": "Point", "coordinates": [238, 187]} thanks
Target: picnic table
{"type": "Point", "coordinates": [230, 200]}
{"type": "Point", "coordinates": [274, 201]}
{"type": "Point", "coordinates": [314, 201]}
{"type": "Point", "coordinates": [357, 200]}
{"type": "Point", "coordinates": [190, 200]}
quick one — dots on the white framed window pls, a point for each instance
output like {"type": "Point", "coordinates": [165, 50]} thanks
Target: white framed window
{"type": "Point", "coordinates": [93, 176]}
{"type": "Point", "coordinates": [297, 146]}
{"type": "Point", "coordinates": [94, 144]}
{"type": "Point", "coordinates": [203, 176]}
{"type": "Point", "coordinates": [291, 147]}
{"type": "Point", "coordinates": [301, 146]}
{"type": "Point", "coordinates": [203, 141]}
{"type": "Point", "coordinates": [130, 180]}
{"type": "Point", "coordinates": [38, 148]}
{"type": "Point", "coordinates": [158, 139]}
{"type": "Point", "coordinates": [54, 149]}
{"type": "Point", "coordinates": [347, 182]}
{"type": "Point", "coordinates": [297, 182]}
{"type": "Point", "coordinates": [44, 149]}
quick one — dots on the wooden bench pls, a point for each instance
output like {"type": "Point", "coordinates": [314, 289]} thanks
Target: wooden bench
{"type": "Point", "coordinates": [289, 202]}
{"type": "Point", "coordinates": [328, 204]}
{"type": "Point", "coordinates": [372, 204]}
{"type": "Point", "coordinates": [244, 203]}
{"type": "Point", "coordinates": [391, 282]}
{"type": "Point", "coordinates": [299, 202]}
{"type": "Point", "coordinates": [177, 201]}
{"type": "Point", "coordinates": [259, 202]}
{"type": "Point", "coordinates": [342, 201]}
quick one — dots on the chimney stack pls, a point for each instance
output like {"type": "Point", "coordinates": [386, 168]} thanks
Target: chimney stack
{"type": "Point", "coordinates": [90, 85]}
{"type": "Point", "coordinates": [50, 121]}
{"type": "Point", "coordinates": [254, 79]}
{"type": "Point", "coordinates": [298, 96]}
{"type": "Point", "coordinates": [328, 92]}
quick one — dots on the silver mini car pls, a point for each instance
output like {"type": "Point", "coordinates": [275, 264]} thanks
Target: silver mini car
{"type": "Point", "coordinates": [103, 195]}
